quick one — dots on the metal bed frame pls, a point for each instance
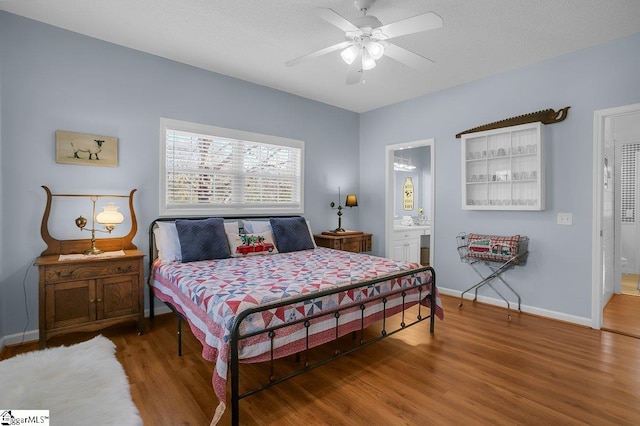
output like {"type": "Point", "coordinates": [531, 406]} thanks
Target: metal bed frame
{"type": "Point", "coordinates": [236, 336]}
{"type": "Point", "coordinates": [495, 267]}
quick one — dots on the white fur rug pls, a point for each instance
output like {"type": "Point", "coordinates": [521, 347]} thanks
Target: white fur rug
{"type": "Point", "coordinates": [82, 384]}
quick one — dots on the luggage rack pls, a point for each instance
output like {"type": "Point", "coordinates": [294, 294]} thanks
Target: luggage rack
{"type": "Point", "coordinates": [497, 254]}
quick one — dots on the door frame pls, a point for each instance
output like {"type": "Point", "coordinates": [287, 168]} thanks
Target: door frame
{"type": "Point", "coordinates": [597, 262]}
{"type": "Point", "coordinates": [388, 214]}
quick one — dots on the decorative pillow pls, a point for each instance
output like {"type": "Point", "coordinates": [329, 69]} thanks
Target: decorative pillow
{"type": "Point", "coordinates": [168, 243]}
{"type": "Point", "coordinates": [250, 244]}
{"type": "Point", "coordinates": [493, 247]}
{"type": "Point", "coordinates": [256, 226]}
{"type": "Point", "coordinates": [260, 226]}
{"type": "Point", "coordinates": [231, 227]}
{"type": "Point", "coordinates": [202, 239]}
{"type": "Point", "coordinates": [291, 234]}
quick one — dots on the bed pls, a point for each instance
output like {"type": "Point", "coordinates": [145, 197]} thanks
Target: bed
{"type": "Point", "coordinates": [275, 294]}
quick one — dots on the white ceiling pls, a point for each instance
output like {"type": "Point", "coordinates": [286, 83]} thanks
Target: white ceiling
{"type": "Point", "coordinates": [252, 39]}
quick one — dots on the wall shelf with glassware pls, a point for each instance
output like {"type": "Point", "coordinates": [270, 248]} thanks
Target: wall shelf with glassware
{"type": "Point", "coordinates": [503, 169]}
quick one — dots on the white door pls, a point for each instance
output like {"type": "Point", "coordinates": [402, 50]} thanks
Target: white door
{"type": "Point", "coordinates": [608, 214]}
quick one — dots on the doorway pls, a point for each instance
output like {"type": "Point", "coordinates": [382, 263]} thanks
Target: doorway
{"type": "Point", "coordinates": [409, 201]}
{"type": "Point", "coordinates": [615, 130]}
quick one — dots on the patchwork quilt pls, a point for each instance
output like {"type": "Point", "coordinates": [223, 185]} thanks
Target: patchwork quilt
{"type": "Point", "coordinates": [210, 293]}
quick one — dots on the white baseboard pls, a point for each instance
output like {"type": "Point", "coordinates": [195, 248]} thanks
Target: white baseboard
{"type": "Point", "coordinates": [14, 339]}
{"type": "Point", "coordinates": [34, 335]}
{"type": "Point", "coordinates": [560, 316]}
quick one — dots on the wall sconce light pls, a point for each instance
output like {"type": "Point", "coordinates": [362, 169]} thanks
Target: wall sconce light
{"type": "Point", "coordinates": [109, 217]}
{"type": "Point", "coordinates": [351, 201]}
{"type": "Point", "coordinates": [401, 164]}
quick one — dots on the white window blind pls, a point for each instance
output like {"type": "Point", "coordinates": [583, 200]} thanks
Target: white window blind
{"type": "Point", "coordinates": [207, 169]}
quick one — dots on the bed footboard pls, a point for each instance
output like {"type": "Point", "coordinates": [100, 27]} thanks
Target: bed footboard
{"type": "Point", "coordinates": [426, 291]}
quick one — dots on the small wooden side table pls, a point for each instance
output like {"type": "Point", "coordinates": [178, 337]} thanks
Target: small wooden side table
{"type": "Point", "coordinates": [353, 241]}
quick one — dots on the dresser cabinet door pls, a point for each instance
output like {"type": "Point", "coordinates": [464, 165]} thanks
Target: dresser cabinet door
{"type": "Point", "coordinates": [117, 296]}
{"type": "Point", "coordinates": [70, 303]}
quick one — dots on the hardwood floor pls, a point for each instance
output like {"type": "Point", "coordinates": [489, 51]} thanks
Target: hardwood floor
{"type": "Point", "coordinates": [478, 368]}
{"type": "Point", "coordinates": [629, 284]}
{"type": "Point", "coordinates": [622, 315]}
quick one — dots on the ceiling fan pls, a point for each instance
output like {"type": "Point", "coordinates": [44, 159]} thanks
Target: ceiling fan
{"type": "Point", "coordinates": [366, 40]}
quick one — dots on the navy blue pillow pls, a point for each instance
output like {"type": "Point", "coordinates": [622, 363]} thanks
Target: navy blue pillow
{"type": "Point", "coordinates": [202, 239]}
{"type": "Point", "coordinates": [291, 234]}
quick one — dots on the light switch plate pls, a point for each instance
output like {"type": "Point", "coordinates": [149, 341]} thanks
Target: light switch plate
{"type": "Point", "coordinates": [565, 218]}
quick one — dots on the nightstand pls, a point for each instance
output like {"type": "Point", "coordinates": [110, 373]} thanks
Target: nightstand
{"type": "Point", "coordinates": [353, 241]}
{"type": "Point", "coordinates": [90, 294]}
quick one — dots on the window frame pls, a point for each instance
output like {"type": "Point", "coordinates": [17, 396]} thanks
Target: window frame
{"type": "Point", "coordinates": [168, 124]}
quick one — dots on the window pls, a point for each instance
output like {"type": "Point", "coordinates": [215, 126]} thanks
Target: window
{"type": "Point", "coordinates": [211, 170]}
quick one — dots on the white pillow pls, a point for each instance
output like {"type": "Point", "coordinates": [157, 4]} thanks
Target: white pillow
{"type": "Point", "coordinates": [231, 227]}
{"type": "Point", "coordinates": [169, 247]}
{"type": "Point", "coordinates": [267, 246]}
{"type": "Point", "coordinates": [157, 238]}
{"type": "Point", "coordinates": [311, 233]}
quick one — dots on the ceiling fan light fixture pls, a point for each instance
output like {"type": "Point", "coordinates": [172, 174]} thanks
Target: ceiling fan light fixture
{"type": "Point", "coordinates": [349, 54]}
{"type": "Point", "coordinates": [375, 49]}
{"type": "Point", "coordinates": [378, 34]}
{"type": "Point", "coordinates": [368, 62]}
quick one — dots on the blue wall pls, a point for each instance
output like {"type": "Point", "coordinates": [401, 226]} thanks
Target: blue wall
{"type": "Point", "coordinates": [557, 279]}
{"type": "Point", "coordinates": [52, 79]}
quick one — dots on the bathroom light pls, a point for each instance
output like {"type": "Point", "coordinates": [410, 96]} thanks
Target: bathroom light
{"type": "Point", "coordinates": [401, 164]}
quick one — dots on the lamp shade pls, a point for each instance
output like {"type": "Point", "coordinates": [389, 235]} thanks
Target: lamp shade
{"type": "Point", "coordinates": [368, 62]}
{"type": "Point", "coordinates": [110, 215]}
{"type": "Point", "coordinates": [351, 201]}
{"type": "Point", "coordinates": [375, 49]}
{"type": "Point", "coordinates": [349, 54]}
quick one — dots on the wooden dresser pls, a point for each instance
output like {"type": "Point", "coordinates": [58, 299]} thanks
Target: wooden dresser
{"type": "Point", "coordinates": [89, 292]}
{"type": "Point", "coordinates": [353, 241]}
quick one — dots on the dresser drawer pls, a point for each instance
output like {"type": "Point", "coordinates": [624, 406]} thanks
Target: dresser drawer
{"type": "Point", "coordinates": [79, 271]}
{"type": "Point", "coordinates": [354, 245]}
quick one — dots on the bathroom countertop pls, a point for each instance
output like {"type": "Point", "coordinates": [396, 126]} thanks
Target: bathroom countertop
{"type": "Point", "coordinates": [412, 227]}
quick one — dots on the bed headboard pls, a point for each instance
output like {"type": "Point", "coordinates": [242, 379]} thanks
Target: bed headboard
{"type": "Point", "coordinates": [153, 251]}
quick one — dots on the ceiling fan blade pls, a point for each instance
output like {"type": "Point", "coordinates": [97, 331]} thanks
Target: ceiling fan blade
{"type": "Point", "coordinates": [354, 73]}
{"type": "Point", "coordinates": [318, 53]}
{"type": "Point", "coordinates": [424, 22]}
{"type": "Point", "coordinates": [332, 17]}
{"type": "Point", "coordinates": [407, 57]}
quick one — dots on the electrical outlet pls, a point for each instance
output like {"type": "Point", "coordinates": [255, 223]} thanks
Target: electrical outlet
{"type": "Point", "coordinates": [565, 218]}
